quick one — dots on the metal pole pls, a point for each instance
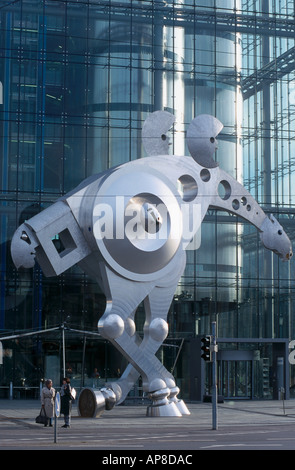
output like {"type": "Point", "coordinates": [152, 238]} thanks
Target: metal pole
{"type": "Point", "coordinates": [56, 414]}
{"type": "Point", "coordinates": [83, 362]}
{"type": "Point", "coordinates": [55, 429]}
{"type": "Point", "coordinates": [63, 351]}
{"type": "Point", "coordinates": [21, 335]}
{"type": "Point", "coordinates": [177, 356]}
{"type": "Point", "coordinates": [214, 378]}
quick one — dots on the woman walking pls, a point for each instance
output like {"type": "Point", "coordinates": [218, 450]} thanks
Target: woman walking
{"type": "Point", "coordinates": [47, 401]}
{"type": "Point", "coordinates": [66, 401]}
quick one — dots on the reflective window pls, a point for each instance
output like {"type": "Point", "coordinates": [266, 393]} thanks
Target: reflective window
{"type": "Point", "coordinates": [79, 79]}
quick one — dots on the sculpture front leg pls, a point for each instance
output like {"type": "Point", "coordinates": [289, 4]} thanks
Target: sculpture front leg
{"type": "Point", "coordinates": [156, 307]}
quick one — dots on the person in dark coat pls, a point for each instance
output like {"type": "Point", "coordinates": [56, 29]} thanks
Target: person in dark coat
{"type": "Point", "coordinates": [66, 401]}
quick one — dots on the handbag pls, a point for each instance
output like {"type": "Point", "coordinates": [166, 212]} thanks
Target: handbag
{"type": "Point", "coordinates": [73, 393]}
{"type": "Point", "coordinates": [41, 418]}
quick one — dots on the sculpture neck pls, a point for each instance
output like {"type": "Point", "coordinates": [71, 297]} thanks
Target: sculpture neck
{"type": "Point", "coordinates": [231, 196]}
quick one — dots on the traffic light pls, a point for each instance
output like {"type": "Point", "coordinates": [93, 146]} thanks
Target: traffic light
{"type": "Point", "coordinates": [206, 348]}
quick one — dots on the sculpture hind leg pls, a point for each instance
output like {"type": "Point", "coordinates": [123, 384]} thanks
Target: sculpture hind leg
{"type": "Point", "coordinates": [157, 381]}
{"type": "Point", "coordinates": [116, 325]}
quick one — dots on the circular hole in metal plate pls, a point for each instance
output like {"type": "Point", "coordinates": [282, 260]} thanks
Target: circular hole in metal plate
{"type": "Point", "coordinates": [205, 175]}
{"type": "Point", "coordinates": [187, 188]}
{"type": "Point", "coordinates": [224, 190]}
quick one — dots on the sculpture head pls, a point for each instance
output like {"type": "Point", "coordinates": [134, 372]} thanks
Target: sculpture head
{"type": "Point", "coordinates": [23, 246]}
{"type": "Point", "coordinates": [275, 238]}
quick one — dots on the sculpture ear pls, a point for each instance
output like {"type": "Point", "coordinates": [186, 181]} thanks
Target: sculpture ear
{"type": "Point", "coordinates": [154, 129]}
{"type": "Point", "coordinates": [201, 139]}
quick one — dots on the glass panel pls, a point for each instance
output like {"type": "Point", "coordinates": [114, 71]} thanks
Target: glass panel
{"type": "Point", "coordinates": [79, 79]}
{"type": "Point", "coordinates": [236, 379]}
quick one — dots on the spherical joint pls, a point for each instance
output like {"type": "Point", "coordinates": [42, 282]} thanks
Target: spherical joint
{"type": "Point", "coordinates": [170, 383]}
{"type": "Point", "coordinates": [130, 326]}
{"type": "Point", "coordinates": [112, 327]}
{"type": "Point", "coordinates": [110, 397]}
{"type": "Point", "coordinates": [117, 390]}
{"type": "Point", "coordinates": [157, 384]}
{"type": "Point", "coordinates": [158, 329]}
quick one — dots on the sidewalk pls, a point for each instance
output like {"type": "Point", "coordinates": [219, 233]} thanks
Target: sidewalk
{"type": "Point", "coordinates": [241, 424]}
{"type": "Point", "coordinates": [240, 411]}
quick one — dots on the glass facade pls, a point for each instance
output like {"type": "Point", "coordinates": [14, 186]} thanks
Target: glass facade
{"type": "Point", "coordinates": [79, 77]}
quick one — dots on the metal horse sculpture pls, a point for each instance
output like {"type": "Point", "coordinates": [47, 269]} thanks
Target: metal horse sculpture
{"type": "Point", "coordinates": [128, 228]}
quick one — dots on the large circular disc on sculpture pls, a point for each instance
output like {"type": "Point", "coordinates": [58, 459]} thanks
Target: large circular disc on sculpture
{"type": "Point", "coordinates": [137, 222]}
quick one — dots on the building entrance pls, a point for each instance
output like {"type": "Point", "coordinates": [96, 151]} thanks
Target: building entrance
{"type": "Point", "coordinates": [236, 374]}
{"type": "Point", "coordinates": [247, 368]}
{"type": "Point", "coordinates": [236, 379]}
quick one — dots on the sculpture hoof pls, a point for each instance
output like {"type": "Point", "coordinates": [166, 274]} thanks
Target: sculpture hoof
{"type": "Point", "coordinates": [169, 409]}
{"type": "Point", "coordinates": [160, 405]}
{"type": "Point", "coordinates": [183, 409]}
{"type": "Point", "coordinates": [179, 403]}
